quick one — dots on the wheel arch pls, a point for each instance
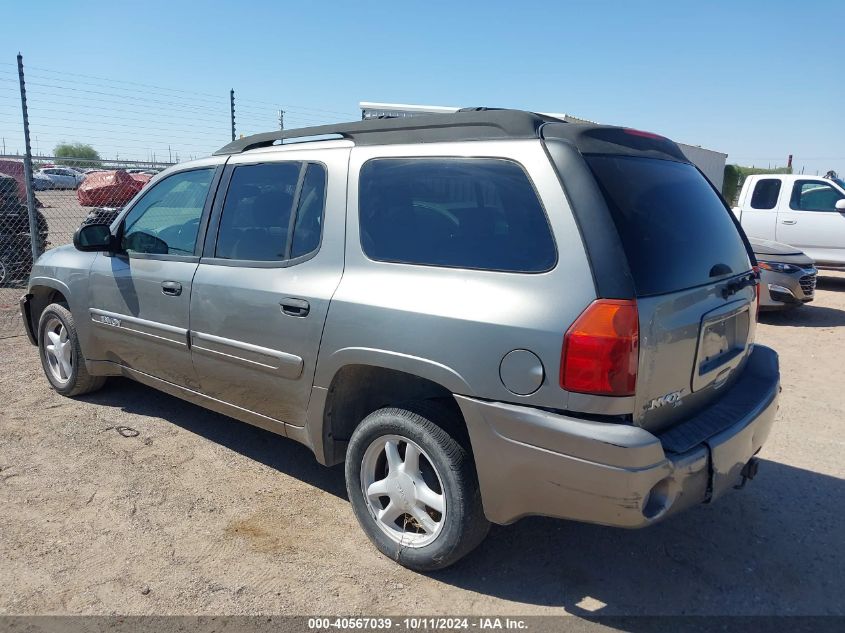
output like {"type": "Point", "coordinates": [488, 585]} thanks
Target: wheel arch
{"type": "Point", "coordinates": [42, 292]}
{"type": "Point", "coordinates": [371, 380]}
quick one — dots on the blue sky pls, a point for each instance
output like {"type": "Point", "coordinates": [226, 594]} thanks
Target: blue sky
{"type": "Point", "coordinates": [757, 80]}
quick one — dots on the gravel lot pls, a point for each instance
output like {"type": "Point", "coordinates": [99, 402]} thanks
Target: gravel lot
{"type": "Point", "coordinates": [64, 214]}
{"type": "Point", "coordinates": [197, 513]}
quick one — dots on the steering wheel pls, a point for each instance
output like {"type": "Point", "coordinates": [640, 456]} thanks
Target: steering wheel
{"type": "Point", "coordinates": [173, 234]}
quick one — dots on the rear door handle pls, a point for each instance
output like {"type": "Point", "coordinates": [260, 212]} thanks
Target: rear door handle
{"type": "Point", "coordinates": [295, 307]}
{"type": "Point", "coordinates": [171, 288]}
{"type": "Point", "coordinates": [789, 221]}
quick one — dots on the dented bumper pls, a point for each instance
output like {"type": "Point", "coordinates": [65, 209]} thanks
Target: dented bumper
{"type": "Point", "coordinates": [533, 462]}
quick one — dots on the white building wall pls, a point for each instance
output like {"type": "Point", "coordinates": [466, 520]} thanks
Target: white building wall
{"type": "Point", "coordinates": [710, 162]}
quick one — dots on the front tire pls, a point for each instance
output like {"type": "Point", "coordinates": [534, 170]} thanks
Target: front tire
{"type": "Point", "coordinates": [61, 356]}
{"type": "Point", "coordinates": [414, 489]}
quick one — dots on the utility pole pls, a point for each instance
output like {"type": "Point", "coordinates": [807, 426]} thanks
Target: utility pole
{"type": "Point", "coordinates": [232, 110]}
{"type": "Point", "coordinates": [34, 233]}
{"type": "Point", "coordinates": [281, 119]}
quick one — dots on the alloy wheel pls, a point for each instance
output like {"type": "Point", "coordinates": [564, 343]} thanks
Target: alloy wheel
{"type": "Point", "coordinates": [403, 491]}
{"type": "Point", "coordinates": [58, 349]}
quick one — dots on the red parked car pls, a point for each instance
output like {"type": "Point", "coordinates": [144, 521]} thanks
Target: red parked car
{"type": "Point", "coordinates": [110, 188]}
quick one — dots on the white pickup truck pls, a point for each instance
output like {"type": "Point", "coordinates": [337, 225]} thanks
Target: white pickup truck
{"type": "Point", "coordinates": [807, 212]}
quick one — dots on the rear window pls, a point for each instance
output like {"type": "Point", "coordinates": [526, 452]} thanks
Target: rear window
{"type": "Point", "coordinates": [478, 213]}
{"type": "Point", "coordinates": [765, 194]}
{"type": "Point", "coordinates": [674, 228]}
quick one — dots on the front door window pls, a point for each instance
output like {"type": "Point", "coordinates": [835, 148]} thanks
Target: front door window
{"type": "Point", "coordinates": [166, 220]}
{"type": "Point", "coordinates": [812, 195]}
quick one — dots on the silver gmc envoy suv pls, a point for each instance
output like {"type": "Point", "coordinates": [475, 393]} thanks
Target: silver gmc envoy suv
{"type": "Point", "coordinates": [485, 315]}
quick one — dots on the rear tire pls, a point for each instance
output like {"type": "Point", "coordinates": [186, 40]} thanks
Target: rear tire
{"type": "Point", "coordinates": [414, 489]}
{"type": "Point", "coordinates": [61, 356]}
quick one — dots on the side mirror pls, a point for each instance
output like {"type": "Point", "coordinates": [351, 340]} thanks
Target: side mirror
{"type": "Point", "coordinates": [840, 205]}
{"type": "Point", "coordinates": [93, 238]}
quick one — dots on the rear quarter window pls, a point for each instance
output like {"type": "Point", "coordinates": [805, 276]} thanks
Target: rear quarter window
{"type": "Point", "coordinates": [766, 193]}
{"type": "Point", "coordinates": [478, 213]}
{"type": "Point", "coordinates": [674, 228]}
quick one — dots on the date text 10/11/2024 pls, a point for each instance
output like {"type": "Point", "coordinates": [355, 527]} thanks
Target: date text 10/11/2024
{"type": "Point", "coordinates": [416, 624]}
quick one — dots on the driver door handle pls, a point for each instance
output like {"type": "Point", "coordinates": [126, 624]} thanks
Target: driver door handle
{"type": "Point", "coordinates": [295, 307]}
{"type": "Point", "coordinates": [789, 221]}
{"type": "Point", "coordinates": [171, 288]}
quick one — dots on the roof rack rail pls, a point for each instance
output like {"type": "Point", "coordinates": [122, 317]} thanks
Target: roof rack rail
{"type": "Point", "coordinates": [469, 124]}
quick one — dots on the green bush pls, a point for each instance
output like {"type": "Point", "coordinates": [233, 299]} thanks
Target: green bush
{"type": "Point", "coordinates": [735, 175]}
{"type": "Point", "coordinates": [77, 155]}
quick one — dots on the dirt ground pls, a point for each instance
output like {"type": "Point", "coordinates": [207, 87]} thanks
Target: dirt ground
{"type": "Point", "coordinates": [64, 214]}
{"type": "Point", "coordinates": [133, 502]}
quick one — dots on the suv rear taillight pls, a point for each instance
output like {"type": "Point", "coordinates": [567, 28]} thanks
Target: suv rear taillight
{"type": "Point", "coordinates": [600, 350]}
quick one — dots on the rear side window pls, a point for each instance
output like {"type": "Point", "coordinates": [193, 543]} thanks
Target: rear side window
{"type": "Point", "coordinates": [266, 215]}
{"type": "Point", "coordinates": [478, 213]}
{"type": "Point", "coordinates": [766, 193]}
{"type": "Point", "coordinates": [674, 228]}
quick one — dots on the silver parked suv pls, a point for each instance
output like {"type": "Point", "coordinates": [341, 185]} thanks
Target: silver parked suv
{"type": "Point", "coordinates": [486, 315]}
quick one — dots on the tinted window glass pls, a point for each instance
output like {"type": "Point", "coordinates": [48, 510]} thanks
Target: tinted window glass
{"type": "Point", "coordinates": [256, 213]}
{"type": "Point", "coordinates": [167, 218]}
{"type": "Point", "coordinates": [309, 215]}
{"type": "Point", "coordinates": [812, 195]}
{"type": "Point", "coordinates": [462, 213]}
{"type": "Point", "coordinates": [674, 228]}
{"type": "Point", "coordinates": [765, 194]}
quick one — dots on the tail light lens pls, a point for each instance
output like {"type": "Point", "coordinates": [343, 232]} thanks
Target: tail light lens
{"type": "Point", "coordinates": [601, 349]}
{"type": "Point", "coordinates": [757, 289]}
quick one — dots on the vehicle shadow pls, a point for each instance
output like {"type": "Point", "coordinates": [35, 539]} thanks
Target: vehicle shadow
{"type": "Point", "coordinates": [773, 548]}
{"type": "Point", "coordinates": [804, 316]}
{"type": "Point", "coordinates": [268, 448]}
{"type": "Point", "coordinates": [828, 282]}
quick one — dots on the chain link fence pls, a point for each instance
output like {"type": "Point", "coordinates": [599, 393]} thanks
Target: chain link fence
{"type": "Point", "coordinates": [15, 247]}
{"type": "Point", "coordinates": [105, 138]}
{"type": "Point", "coordinates": [67, 194]}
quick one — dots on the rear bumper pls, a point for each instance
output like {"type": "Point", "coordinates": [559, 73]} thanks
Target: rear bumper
{"type": "Point", "coordinates": [532, 462]}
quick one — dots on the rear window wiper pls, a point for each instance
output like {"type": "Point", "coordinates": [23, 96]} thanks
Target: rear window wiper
{"type": "Point", "coordinates": [735, 285]}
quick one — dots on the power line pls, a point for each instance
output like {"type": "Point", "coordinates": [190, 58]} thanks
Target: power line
{"type": "Point", "coordinates": [188, 92]}
{"type": "Point", "coordinates": [114, 114]}
{"type": "Point", "coordinates": [796, 158]}
{"type": "Point", "coordinates": [153, 110]}
{"type": "Point", "coordinates": [118, 123]}
{"type": "Point", "coordinates": [215, 100]}
{"type": "Point", "coordinates": [110, 94]}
